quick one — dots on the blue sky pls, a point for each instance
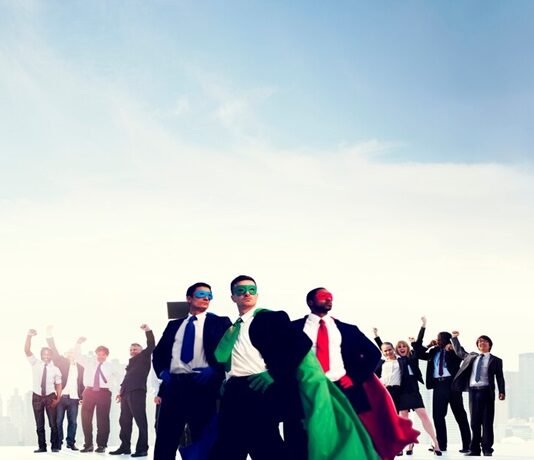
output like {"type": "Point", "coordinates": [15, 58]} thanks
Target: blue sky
{"type": "Point", "coordinates": [380, 149]}
{"type": "Point", "coordinates": [436, 82]}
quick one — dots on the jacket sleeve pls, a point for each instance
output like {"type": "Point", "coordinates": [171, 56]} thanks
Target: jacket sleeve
{"type": "Point", "coordinates": [500, 377]}
{"type": "Point", "coordinates": [458, 349]}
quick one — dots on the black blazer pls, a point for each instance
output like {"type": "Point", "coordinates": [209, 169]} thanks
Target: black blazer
{"type": "Point", "coordinates": [214, 328]}
{"type": "Point", "coordinates": [360, 358]}
{"type": "Point", "coordinates": [138, 367]}
{"type": "Point", "coordinates": [427, 354]}
{"type": "Point", "coordinates": [282, 347]}
{"type": "Point", "coordinates": [64, 367]}
{"type": "Point", "coordinates": [461, 380]}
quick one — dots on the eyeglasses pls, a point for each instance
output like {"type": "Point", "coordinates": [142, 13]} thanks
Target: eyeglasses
{"type": "Point", "coordinates": [244, 288]}
{"type": "Point", "coordinates": [203, 295]}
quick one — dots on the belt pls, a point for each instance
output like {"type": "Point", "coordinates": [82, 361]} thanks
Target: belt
{"type": "Point", "coordinates": [442, 379]}
{"type": "Point", "coordinates": [486, 387]}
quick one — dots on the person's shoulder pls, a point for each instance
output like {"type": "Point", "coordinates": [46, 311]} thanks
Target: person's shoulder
{"type": "Point", "coordinates": [220, 319]}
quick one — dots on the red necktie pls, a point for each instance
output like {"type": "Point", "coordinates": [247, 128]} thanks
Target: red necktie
{"type": "Point", "coordinates": [323, 352]}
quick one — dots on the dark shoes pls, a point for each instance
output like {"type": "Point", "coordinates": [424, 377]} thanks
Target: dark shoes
{"type": "Point", "coordinates": [465, 451]}
{"type": "Point", "coordinates": [72, 447]}
{"type": "Point", "coordinates": [120, 451]}
{"type": "Point", "coordinates": [140, 454]}
{"type": "Point", "coordinates": [473, 454]}
{"type": "Point", "coordinates": [487, 454]}
{"type": "Point", "coordinates": [100, 450]}
{"type": "Point", "coordinates": [55, 449]}
{"type": "Point", "coordinates": [87, 449]}
{"type": "Point", "coordinates": [38, 451]}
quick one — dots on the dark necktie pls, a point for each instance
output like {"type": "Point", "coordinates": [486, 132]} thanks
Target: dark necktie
{"type": "Point", "coordinates": [188, 344]}
{"type": "Point", "coordinates": [323, 351]}
{"type": "Point", "coordinates": [441, 361]}
{"type": "Point", "coordinates": [223, 352]}
{"type": "Point", "coordinates": [98, 374]}
{"type": "Point", "coordinates": [43, 381]}
{"type": "Point", "coordinates": [478, 370]}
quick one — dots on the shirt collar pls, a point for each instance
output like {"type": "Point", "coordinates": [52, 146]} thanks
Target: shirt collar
{"type": "Point", "coordinates": [249, 315]}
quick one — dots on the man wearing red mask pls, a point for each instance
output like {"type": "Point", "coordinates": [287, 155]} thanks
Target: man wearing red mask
{"type": "Point", "coordinates": [349, 359]}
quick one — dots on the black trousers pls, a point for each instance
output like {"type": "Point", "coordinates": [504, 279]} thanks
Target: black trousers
{"type": "Point", "coordinates": [133, 407]}
{"type": "Point", "coordinates": [40, 405]}
{"type": "Point", "coordinates": [482, 410]}
{"type": "Point", "coordinates": [101, 401]}
{"type": "Point", "coordinates": [442, 397]}
{"type": "Point", "coordinates": [248, 424]}
{"type": "Point", "coordinates": [183, 400]}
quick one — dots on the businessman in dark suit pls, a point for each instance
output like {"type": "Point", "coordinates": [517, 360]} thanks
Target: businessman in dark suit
{"type": "Point", "coordinates": [72, 384]}
{"type": "Point", "coordinates": [261, 353]}
{"type": "Point", "coordinates": [347, 356]}
{"type": "Point", "coordinates": [132, 397]}
{"type": "Point", "coordinates": [442, 366]}
{"type": "Point", "coordinates": [183, 359]}
{"type": "Point", "coordinates": [477, 375]}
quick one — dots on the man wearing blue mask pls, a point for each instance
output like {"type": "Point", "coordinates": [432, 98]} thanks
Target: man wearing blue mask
{"type": "Point", "coordinates": [191, 377]}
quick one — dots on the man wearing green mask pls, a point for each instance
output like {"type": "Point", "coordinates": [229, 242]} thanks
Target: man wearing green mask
{"type": "Point", "coordinates": [261, 353]}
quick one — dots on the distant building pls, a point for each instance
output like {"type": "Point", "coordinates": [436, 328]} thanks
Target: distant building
{"type": "Point", "coordinates": [524, 389]}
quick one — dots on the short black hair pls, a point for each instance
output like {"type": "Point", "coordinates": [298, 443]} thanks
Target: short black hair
{"type": "Point", "coordinates": [191, 289]}
{"type": "Point", "coordinates": [310, 297]}
{"type": "Point", "coordinates": [487, 339]}
{"type": "Point", "coordinates": [445, 337]}
{"type": "Point", "coordinates": [240, 278]}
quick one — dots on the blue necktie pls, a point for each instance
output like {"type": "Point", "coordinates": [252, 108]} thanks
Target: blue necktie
{"type": "Point", "coordinates": [188, 344]}
{"type": "Point", "coordinates": [98, 374]}
{"type": "Point", "coordinates": [478, 370]}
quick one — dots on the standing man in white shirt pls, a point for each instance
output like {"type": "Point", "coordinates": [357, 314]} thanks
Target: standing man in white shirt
{"type": "Point", "coordinates": [46, 393]}
{"type": "Point", "coordinates": [98, 377]}
{"type": "Point", "coordinates": [72, 381]}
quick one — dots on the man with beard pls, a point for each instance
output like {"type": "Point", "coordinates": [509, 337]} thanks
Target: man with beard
{"type": "Point", "coordinates": [349, 359]}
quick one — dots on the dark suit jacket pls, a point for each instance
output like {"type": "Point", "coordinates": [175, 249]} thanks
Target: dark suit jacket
{"type": "Point", "coordinates": [214, 328]}
{"type": "Point", "coordinates": [404, 361]}
{"type": "Point", "coordinates": [461, 380]}
{"type": "Point", "coordinates": [138, 367]}
{"type": "Point", "coordinates": [282, 347]}
{"type": "Point", "coordinates": [360, 358]}
{"type": "Point", "coordinates": [427, 354]}
{"type": "Point", "coordinates": [64, 366]}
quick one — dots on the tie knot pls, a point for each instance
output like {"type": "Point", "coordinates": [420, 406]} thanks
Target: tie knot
{"type": "Point", "coordinates": [193, 318]}
{"type": "Point", "coordinates": [321, 322]}
{"type": "Point", "coordinates": [481, 355]}
{"type": "Point", "coordinates": [238, 321]}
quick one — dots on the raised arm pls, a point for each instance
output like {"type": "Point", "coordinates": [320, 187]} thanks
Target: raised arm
{"type": "Point", "coordinates": [28, 343]}
{"type": "Point", "coordinates": [377, 338]}
{"type": "Point", "coordinates": [457, 347]}
{"type": "Point", "coordinates": [150, 340]}
{"type": "Point", "coordinates": [52, 343]}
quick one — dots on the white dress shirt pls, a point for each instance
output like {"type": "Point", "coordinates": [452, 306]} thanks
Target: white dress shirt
{"type": "Point", "coordinates": [484, 380]}
{"type": "Point", "coordinates": [90, 365]}
{"type": "Point", "coordinates": [390, 373]}
{"type": "Point", "coordinates": [199, 357]}
{"type": "Point", "coordinates": [53, 375]}
{"type": "Point", "coordinates": [71, 387]}
{"type": "Point", "coordinates": [311, 328]}
{"type": "Point", "coordinates": [246, 359]}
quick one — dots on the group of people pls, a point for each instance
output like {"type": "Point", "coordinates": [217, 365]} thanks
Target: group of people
{"type": "Point", "coordinates": [450, 371]}
{"type": "Point", "coordinates": [64, 383]}
{"type": "Point", "coordinates": [231, 386]}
